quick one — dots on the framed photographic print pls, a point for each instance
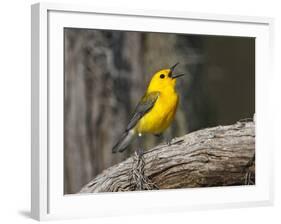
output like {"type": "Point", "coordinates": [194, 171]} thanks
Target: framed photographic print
{"type": "Point", "coordinates": [164, 111]}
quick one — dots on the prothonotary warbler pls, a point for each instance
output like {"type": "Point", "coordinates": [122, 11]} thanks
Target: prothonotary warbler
{"type": "Point", "coordinates": [156, 109]}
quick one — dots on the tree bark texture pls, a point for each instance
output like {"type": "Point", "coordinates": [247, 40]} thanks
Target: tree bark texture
{"type": "Point", "coordinates": [218, 156]}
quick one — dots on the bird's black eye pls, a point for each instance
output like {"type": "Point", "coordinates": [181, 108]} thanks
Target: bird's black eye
{"type": "Point", "coordinates": [162, 76]}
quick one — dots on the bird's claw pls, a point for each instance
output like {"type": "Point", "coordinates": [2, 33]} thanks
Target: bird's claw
{"type": "Point", "coordinates": [140, 152]}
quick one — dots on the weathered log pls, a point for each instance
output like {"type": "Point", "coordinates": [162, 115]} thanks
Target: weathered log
{"type": "Point", "coordinates": [218, 156]}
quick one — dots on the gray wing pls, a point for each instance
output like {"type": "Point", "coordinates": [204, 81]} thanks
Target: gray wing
{"type": "Point", "coordinates": [145, 104]}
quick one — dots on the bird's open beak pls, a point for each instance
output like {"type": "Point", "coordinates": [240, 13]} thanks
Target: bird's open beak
{"type": "Point", "coordinates": [174, 76]}
{"type": "Point", "coordinates": [174, 66]}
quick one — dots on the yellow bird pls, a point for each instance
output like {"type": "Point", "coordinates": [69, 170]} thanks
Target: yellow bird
{"type": "Point", "coordinates": [155, 111]}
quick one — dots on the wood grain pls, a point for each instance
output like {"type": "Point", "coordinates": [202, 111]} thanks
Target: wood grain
{"type": "Point", "coordinates": [218, 156]}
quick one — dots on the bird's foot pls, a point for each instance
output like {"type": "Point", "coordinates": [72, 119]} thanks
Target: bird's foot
{"type": "Point", "coordinates": [168, 140]}
{"type": "Point", "coordinates": [138, 179]}
{"type": "Point", "coordinates": [171, 142]}
{"type": "Point", "coordinates": [177, 142]}
{"type": "Point", "coordinates": [140, 152]}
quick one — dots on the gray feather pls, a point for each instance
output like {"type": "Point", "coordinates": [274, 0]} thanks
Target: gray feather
{"type": "Point", "coordinates": [125, 140]}
{"type": "Point", "coordinates": [145, 104]}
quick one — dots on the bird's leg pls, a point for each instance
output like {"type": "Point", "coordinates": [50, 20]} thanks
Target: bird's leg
{"type": "Point", "coordinates": [138, 166]}
{"type": "Point", "coordinates": [139, 143]}
{"type": "Point", "coordinates": [168, 140]}
{"type": "Point", "coordinates": [140, 180]}
{"type": "Point", "coordinates": [158, 135]}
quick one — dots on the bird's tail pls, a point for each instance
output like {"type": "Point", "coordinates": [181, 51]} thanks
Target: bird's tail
{"type": "Point", "coordinates": [124, 141]}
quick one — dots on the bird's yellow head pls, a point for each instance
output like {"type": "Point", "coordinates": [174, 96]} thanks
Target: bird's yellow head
{"type": "Point", "coordinates": [163, 79]}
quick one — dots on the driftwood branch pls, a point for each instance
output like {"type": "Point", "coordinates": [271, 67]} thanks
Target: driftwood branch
{"type": "Point", "coordinates": [218, 156]}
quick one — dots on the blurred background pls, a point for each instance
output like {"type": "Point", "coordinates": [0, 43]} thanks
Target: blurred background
{"type": "Point", "coordinates": [107, 72]}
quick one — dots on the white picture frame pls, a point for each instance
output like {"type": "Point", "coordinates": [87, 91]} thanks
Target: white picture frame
{"type": "Point", "coordinates": [48, 201]}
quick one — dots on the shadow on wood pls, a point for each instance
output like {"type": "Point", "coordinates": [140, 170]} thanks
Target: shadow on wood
{"type": "Point", "coordinates": [218, 156]}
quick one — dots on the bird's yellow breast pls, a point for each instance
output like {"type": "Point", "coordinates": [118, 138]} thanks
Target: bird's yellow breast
{"type": "Point", "coordinates": [159, 118]}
